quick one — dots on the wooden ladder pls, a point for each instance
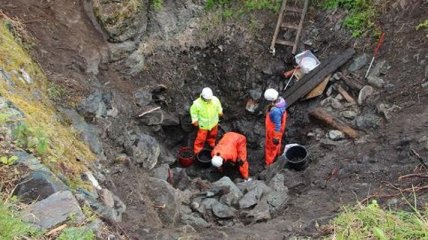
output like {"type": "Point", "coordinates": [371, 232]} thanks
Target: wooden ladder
{"type": "Point", "coordinates": [285, 22]}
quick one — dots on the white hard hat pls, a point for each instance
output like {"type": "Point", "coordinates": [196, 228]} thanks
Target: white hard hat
{"type": "Point", "coordinates": [271, 94]}
{"type": "Point", "coordinates": [207, 93]}
{"type": "Point", "coordinates": [217, 161]}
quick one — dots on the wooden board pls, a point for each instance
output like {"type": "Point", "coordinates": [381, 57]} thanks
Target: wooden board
{"type": "Point", "coordinates": [329, 120]}
{"type": "Point", "coordinates": [311, 80]}
{"type": "Point", "coordinates": [319, 89]}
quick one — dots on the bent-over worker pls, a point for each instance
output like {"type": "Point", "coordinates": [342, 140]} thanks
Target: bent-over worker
{"type": "Point", "coordinates": [275, 123]}
{"type": "Point", "coordinates": [205, 112]}
{"type": "Point", "coordinates": [231, 150]}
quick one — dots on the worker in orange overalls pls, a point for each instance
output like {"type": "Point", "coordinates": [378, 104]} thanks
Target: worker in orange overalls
{"type": "Point", "coordinates": [231, 150]}
{"type": "Point", "coordinates": [275, 123]}
{"type": "Point", "coordinates": [205, 112]}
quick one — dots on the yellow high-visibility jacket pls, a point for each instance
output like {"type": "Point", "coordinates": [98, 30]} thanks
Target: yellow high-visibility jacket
{"type": "Point", "coordinates": [206, 113]}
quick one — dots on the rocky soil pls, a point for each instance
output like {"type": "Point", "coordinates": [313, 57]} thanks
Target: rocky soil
{"type": "Point", "coordinates": [115, 67]}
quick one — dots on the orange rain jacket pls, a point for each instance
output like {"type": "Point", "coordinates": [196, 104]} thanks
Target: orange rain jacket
{"type": "Point", "coordinates": [233, 147]}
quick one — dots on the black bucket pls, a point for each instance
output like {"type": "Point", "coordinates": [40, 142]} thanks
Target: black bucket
{"type": "Point", "coordinates": [296, 157]}
{"type": "Point", "coordinates": [204, 158]}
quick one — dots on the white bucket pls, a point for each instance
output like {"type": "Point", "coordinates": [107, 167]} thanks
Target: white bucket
{"type": "Point", "coordinates": [307, 61]}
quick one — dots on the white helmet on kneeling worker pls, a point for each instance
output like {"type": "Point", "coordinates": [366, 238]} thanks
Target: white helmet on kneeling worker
{"type": "Point", "coordinates": [217, 161]}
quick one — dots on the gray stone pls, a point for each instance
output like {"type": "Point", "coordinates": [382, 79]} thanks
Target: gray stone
{"type": "Point", "coordinates": [425, 84]}
{"type": "Point", "coordinates": [386, 109]}
{"type": "Point", "coordinates": [38, 186]}
{"type": "Point", "coordinates": [254, 194]}
{"type": "Point", "coordinates": [161, 172]}
{"type": "Point", "coordinates": [54, 210]}
{"type": "Point", "coordinates": [180, 178]}
{"type": "Point", "coordinates": [162, 193]}
{"type": "Point", "coordinates": [365, 92]}
{"type": "Point", "coordinates": [260, 213]}
{"type": "Point", "coordinates": [336, 104]}
{"type": "Point", "coordinates": [277, 183]}
{"type": "Point", "coordinates": [367, 121]}
{"type": "Point", "coordinates": [143, 97]}
{"type": "Point", "coordinates": [221, 210]}
{"type": "Point", "coordinates": [135, 63]}
{"type": "Point", "coordinates": [88, 132]}
{"type": "Point", "coordinates": [358, 63]}
{"type": "Point", "coordinates": [206, 204]}
{"type": "Point", "coordinates": [376, 69]}
{"type": "Point", "coordinates": [107, 197]}
{"type": "Point", "coordinates": [349, 114]}
{"type": "Point", "coordinates": [336, 135]}
{"type": "Point", "coordinates": [146, 152]}
{"type": "Point", "coordinates": [277, 201]}
{"type": "Point", "coordinates": [29, 161]}
{"type": "Point", "coordinates": [375, 81]}
{"type": "Point", "coordinates": [113, 214]}
{"type": "Point", "coordinates": [122, 50]}
{"type": "Point", "coordinates": [194, 221]}
{"type": "Point", "coordinates": [93, 106]}
{"type": "Point", "coordinates": [160, 117]}
{"type": "Point", "coordinates": [226, 182]}
{"type": "Point", "coordinates": [256, 94]}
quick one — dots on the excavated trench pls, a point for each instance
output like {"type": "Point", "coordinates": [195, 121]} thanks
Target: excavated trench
{"type": "Point", "coordinates": [340, 172]}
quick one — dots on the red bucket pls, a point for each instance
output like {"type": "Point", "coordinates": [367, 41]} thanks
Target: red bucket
{"type": "Point", "coordinates": [185, 156]}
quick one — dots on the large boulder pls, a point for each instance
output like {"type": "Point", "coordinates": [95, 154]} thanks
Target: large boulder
{"type": "Point", "coordinates": [145, 152]}
{"type": "Point", "coordinates": [122, 20]}
{"type": "Point", "coordinates": [166, 200]}
{"type": "Point", "coordinates": [93, 106]}
{"type": "Point", "coordinates": [53, 210]}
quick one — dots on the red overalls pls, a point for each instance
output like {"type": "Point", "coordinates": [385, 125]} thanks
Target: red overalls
{"type": "Point", "coordinates": [272, 150]}
{"type": "Point", "coordinates": [205, 135]}
{"type": "Point", "coordinates": [231, 147]}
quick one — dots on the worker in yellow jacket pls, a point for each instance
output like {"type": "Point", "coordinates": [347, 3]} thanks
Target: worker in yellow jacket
{"type": "Point", "coordinates": [205, 112]}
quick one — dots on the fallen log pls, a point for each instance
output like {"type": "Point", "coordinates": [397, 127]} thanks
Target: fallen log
{"type": "Point", "coordinates": [346, 95]}
{"type": "Point", "coordinates": [328, 119]}
{"type": "Point", "coordinates": [353, 83]}
{"type": "Point", "coordinates": [311, 80]}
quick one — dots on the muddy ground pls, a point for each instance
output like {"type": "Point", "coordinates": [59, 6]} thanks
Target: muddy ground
{"type": "Point", "coordinates": [73, 52]}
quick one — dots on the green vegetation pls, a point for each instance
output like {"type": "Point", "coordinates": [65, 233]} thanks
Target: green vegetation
{"type": "Point", "coordinates": [361, 16]}
{"type": "Point", "coordinates": [8, 160]}
{"type": "Point", "coordinates": [76, 233]}
{"type": "Point", "coordinates": [11, 227]}
{"type": "Point", "coordinates": [33, 140]}
{"type": "Point", "coordinates": [372, 222]}
{"type": "Point", "coordinates": [157, 5]}
{"type": "Point", "coordinates": [423, 25]}
{"type": "Point", "coordinates": [243, 5]}
{"type": "Point", "coordinates": [40, 132]}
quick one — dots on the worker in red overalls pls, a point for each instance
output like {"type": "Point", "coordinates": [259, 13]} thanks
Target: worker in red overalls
{"type": "Point", "coordinates": [231, 151]}
{"type": "Point", "coordinates": [275, 124]}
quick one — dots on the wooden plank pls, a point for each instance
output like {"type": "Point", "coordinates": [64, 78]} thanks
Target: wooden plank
{"type": "Point", "coordinates": [285, 42]}
{"type": "Point", "coordinates": [346, 95]}
{"type": "Point", "coordinates": [328, 119]}
{"type": "Point", "coordinates": [352, 83]}
{"type": "Point", "coordinates": [294, 9]}
{"type": "Point", "coordinates": [278, 24]}
{"type": "Point", "coordinates": [307, 83]}
{"type": "Point", "coordinates": [299, 30]}
{"type": "Point", "coordinates": [289, 25]}
{"type": "Point", "coordinates": [319, 89]}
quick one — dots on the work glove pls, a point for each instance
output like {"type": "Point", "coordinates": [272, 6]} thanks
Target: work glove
{"type": "Point", "coordinates": [196, 124]}
{"type": "Point", "coordinates": [240, 162]}
{"type": "Point", "coordinates": [276, 137]}
{"type": "Point", "coordinates": [275, 141]}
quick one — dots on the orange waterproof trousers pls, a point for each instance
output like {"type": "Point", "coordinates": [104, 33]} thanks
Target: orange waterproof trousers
{"type": "Point", "coordinates": [272, 150]}
{"type": "Point", "coordinates": [205, 135]}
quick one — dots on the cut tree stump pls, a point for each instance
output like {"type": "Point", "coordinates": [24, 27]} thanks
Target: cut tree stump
{"type": "Point", "coordinates": [331, 121]}
{"type": "Point", "coordinates": [311, 80]}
